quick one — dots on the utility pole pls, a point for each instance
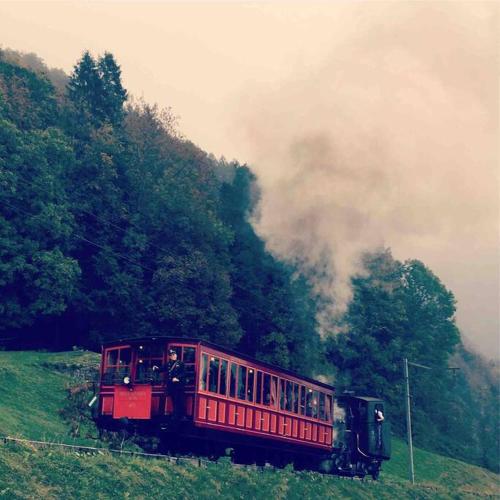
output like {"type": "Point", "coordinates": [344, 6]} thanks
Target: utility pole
{"type": "Point", "coordinates": [408, 420]}
{"type": "Point", "coordinates": [408, 414]}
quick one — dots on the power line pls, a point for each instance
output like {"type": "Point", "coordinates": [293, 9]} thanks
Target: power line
{"type": "Point", "coordinates": [184, 284]}
{"type": "Point", "coordinates": [93, 243]}
{"type": "Point", "coordinates": [116, 254]}
{"type": "Point", "coordinates": [103, 219]}
{"type": "Point", "coordinates": [124, 230]}
{"type": "Point", "coordinates": [112, 252]}
{"type": "Point", "coordinates": [92, 214]}
{"type": "Point", "coordinates": [173, 278]}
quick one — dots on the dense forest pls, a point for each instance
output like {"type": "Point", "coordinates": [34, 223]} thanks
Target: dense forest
{"type": "Point", "coordinates": [114, 225]}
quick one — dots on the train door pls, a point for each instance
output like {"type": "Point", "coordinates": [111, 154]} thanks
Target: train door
{"type": "Point", "coordinates": [379, 441]}
{"type": "Point", "coordinates": [186, 354]}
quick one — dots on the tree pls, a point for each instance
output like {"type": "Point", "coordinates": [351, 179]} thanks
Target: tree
{"type": "Point", "coordinates": [85, 88]}
{"type": "Point", "coordinates": [274, 303]}
{"type": "Point", "coordinates": [96, 91]}
{"type": "Point", "coordinates": [402, 310]}
{"type": "Point", "coordinates": [26, 99]}
{"type": "Point", "coordinates": [191, 298]}
{"type": "Point", "coordinates": [430, 310]}
{"type": "Point", "coordinates": [38, 276]}
{"type": "Point", "coordinates": [113, 93]}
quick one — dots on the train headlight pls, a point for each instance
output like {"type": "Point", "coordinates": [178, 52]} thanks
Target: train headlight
{"type": "Point", "coordinates": [126, 380]}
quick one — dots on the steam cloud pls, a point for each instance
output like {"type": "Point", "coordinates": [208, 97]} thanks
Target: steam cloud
{"type": "Point", "coordinates": [391, 141]}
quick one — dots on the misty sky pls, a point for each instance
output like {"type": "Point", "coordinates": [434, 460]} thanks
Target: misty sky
{"type": "Point", "coordinates": [368, 124]}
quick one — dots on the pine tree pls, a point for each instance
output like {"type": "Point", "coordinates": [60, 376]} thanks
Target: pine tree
{"type": "Point", "coordinates": [96, 90]}
{"type": "Point", "coordinates": [85, 87]}
{"type": "Point", "coordinates": [113, 93]}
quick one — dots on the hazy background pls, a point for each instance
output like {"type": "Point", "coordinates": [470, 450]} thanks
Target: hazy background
{"type": "Point", "coordinates": [368, 123]}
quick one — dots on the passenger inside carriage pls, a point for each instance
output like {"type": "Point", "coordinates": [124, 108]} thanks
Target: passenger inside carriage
{"type": "Point", "coordinates": [147, 357]}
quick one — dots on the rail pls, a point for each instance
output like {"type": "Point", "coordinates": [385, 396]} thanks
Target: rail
{"type": "Point", "coordinates": [177, 460]}
{"type": "Point", "coordinates": [95, 449]}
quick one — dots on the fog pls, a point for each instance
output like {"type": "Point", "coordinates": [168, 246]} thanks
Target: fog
{"type": "Point", "coordinates": [368, 124]}
{"type": "Point", "coordinates": [390, 142]}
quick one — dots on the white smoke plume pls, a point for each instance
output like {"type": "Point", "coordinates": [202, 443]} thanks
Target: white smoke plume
{"type": "Point", "coordinates": [390, 141]}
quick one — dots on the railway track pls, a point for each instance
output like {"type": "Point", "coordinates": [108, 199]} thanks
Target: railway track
{"type": "Point", "coordinates": [177, 460]}
{"type": "Point", "coordinates": [97, 450]}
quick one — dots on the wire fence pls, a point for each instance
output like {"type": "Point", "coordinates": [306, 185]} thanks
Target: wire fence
{"type": "Point", "coordinates": [177, 460]}
{"type": "Point", "coordinates": [97, 450]}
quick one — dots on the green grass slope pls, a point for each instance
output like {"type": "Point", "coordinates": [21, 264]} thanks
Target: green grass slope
{"type": "Point", "coordinates": [33, 389]}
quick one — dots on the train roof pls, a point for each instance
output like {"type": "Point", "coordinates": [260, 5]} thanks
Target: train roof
{"type": "Point", "coordinates": [367, 399]}
{"type": "Point", "coordinates": [219, 348]}
{"type": "Point", "coordinates": [370, 399]}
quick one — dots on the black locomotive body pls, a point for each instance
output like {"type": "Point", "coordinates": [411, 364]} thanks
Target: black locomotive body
{"type": "Point", "coordinates": [363, 436]}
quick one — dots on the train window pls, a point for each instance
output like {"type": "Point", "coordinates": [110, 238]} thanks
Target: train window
{"type": "Point", "coordinates": [144, 371]}
{"type": "Point", "coordinates": [156, 350]}
{"type": "Point", "coordinates": [213, 374]}
{"type": "Point", "coordinates": [188, 354]}
{"type": "Point", "coordinates": [242, 378]}
{"type": "Point", "coordinates": [274, 392]}
{"type": "Point", "coordinates": [147, 357]}
{"type": "Point", "coordinates": [203, 372]}
{"type": "Point", "coordinates": [289, 396]}
{"type": "Point", "coordinates": [302, 400]}
{"type": "Point", "coordinates": [117, 365]}
{"type": "Point", "coordinates": [150, 351]}
{"type": "Point", "coordinates": [328, 408]}
{"type": "Point", "coordinates": [362, 411]}
{"type": "Point", "coordinates": [295, 398]}
{"type": "Point", "coordinates": [321, 414]}
{"type": "Point", "coordinates": [250, 384]}
{"type": "Point", "coordinates": [266, 389]}
{"type": "Point", "coordinates": [233, 378]}
{"type": "Point", "coordinates": [223, 377]}
{"type": "Point", "coordinates": [309, 402]}
{"type": "Point", "coordinates": [112, 358]}
{"type": "Point", "coordinates": [315, 404]}
{"type": "Point", "coordinates": [189, 372]}
{"type": "Point", "coordinates": [125, 356]}
{"type": "Point", "coordinates": [258, 389]}
{"type": "Point", "coordinates": [282, 394]}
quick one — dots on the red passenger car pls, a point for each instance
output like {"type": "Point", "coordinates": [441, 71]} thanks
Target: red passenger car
{"type": "Point", "coordinates": [231, 401]}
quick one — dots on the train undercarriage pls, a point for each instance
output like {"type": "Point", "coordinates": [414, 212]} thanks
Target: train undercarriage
{"type": "Point", "coordinates": [181, 437]}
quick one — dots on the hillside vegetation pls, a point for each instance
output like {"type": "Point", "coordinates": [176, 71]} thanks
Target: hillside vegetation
{"type": "Point", "coordinates": [35, 387]}
{"type": "Point", "coordinates": [114, 225]}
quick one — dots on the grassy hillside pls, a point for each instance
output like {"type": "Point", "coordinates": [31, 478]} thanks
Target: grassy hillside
{"type": "Point", "coordinates": [33, 388]}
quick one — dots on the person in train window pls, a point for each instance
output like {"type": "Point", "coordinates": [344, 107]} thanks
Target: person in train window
{"type": "Point", "coordinates": [379, 418]}
{"type": "Point", "coordinates": [175, 382]}
{"type": "Point", "coordinates": [379, 415]}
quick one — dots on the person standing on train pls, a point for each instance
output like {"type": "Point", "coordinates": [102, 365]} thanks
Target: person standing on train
{"type": "Point", "coordinates": [175, 382]}
{"type": "Point", "coordinates": [379, 418]}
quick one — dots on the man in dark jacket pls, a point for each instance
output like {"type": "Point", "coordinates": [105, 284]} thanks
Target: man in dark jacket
{"type": "Point", "coordinates": [175, 382]}
{"type": "Point", "coordinates": [379, 418]}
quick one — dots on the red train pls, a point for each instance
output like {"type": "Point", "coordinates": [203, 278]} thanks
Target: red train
{"type": "Point", "coordinates": [264, 414]}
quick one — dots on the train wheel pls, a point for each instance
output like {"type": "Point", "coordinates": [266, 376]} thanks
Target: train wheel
{"type": "Point", "coordinates": [244, 455]}
{"type": "Point", "coordinates": [361, 470]}
{"type": "Point", "coordinates": [327, 466]}
{"type": "Point", "coordinates": [260, 458]}
{"type": "Point", "coordinates": [374, 470]}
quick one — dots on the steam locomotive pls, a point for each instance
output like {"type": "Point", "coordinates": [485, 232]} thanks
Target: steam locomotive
{"type": "Point", "coordinates": [235, 404]}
